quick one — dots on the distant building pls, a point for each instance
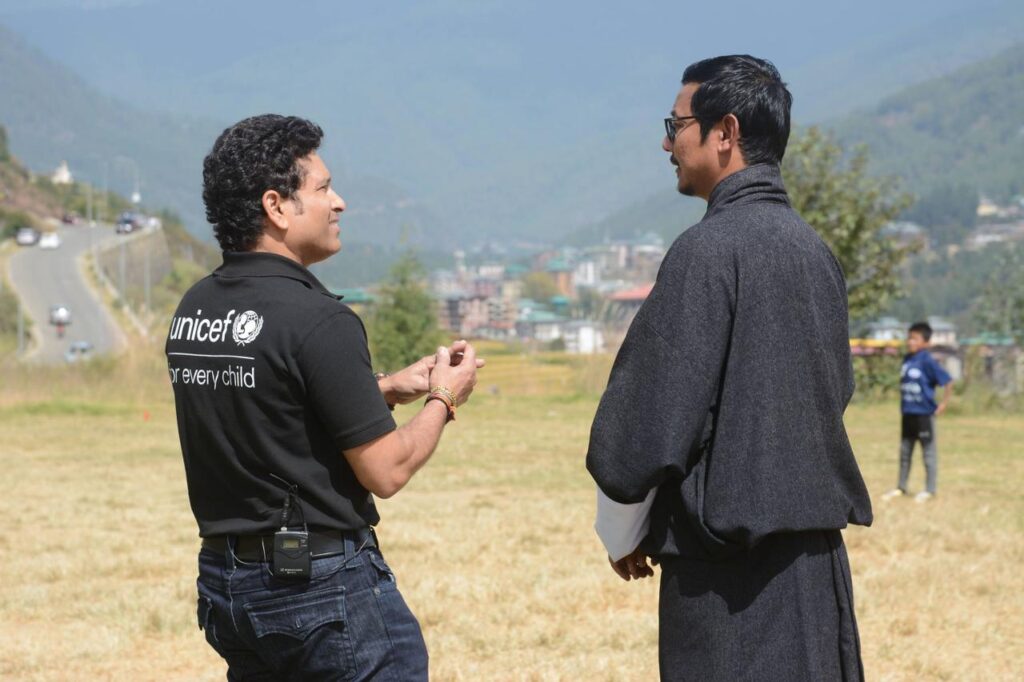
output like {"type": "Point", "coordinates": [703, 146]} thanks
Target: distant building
{"type": "Point", "coordinates": [464, 314]}
{"type": "Point", "coordinates": [633, 259]}
{"type": "Point", "coordinates": [486, 287]}
{"type": "Point", "coordinates": [583, 337]}
{"type": "Point", "coordinates": [491, 271]}
{"type": "Point", "coordinates": [944, 347]}
{"type": "Point", "coordinates": [1002, 362]}
{"type": "Point", "coordinates": [62, 176]}
{"type": "Point", "coordinates": [887, 329]}
{"type": "Point", "coordinates": [562, 273]}
{"type": "Point", "coordinates": [624, 305]}
{"type": "Point", "coordinates": [943, 332]}
{"type": "Point", "coordinates": [503, 311]}
{"type": "Point", "coordinates": [990, 209]}
{"type": "Point", "coordinates": [995, 233]}
{"type": "Point", "coordinates": [906, 232]}
{"type": "Point", "coordinates": [586, 274]}
{"type": "Point", "coordinates": [445, 283]}
{"type": "Point", "coordinates": [540, 325]}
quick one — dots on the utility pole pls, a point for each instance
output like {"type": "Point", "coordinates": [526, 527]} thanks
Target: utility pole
{"type": "Point", "coordinates": [106, 190]}
{"type": "Point", "coordinates": [146, 266]}
{"type": "Point", "coordinates": [88, 204]}
{"type": "Point", "coordinates": [21, 328]}
{"type": "Point", "coordinates": [123, 265]}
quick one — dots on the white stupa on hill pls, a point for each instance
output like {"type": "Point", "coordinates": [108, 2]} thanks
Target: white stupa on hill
{"type": "Point", "coordinates": [62, 176]}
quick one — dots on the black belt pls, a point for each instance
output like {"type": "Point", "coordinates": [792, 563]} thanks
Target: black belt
{"type": "Point", "coordinates": [322, 543]}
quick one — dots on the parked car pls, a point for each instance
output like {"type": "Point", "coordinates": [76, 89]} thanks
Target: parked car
{"type": "Point", "coordinates": [26, 236]}
{"type": "Point", "coordinates": [77, 351]}
{"type": "Point", "coordinates": [127, 222]}
{"type": "Point", "coordinates": [50, 240]}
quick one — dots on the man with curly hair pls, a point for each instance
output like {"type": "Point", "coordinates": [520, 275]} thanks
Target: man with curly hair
{"type": "Point", "coordinates": [286, 432]}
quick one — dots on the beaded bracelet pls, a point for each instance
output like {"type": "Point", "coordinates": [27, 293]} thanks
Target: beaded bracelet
{"type": "Point", "coordinates": [443, 397]}
{"type": "Point", "coordinates": [447, 392]}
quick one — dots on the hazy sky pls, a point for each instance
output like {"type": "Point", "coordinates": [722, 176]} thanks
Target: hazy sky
{"type": "Point", "coordinates": [120, 44]}
{"type": "Point", "coordinates": [495, 108]}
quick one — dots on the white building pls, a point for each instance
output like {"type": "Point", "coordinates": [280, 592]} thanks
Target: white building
{"type": "Point", "coordinates": [62, 176]}
{"type": "Point", "coordinates": [586, 274]}
{"type": "Point", "coordinates": [887, 329]}
{"type": "Point", "coordinates": [943, 332]}
{"type": "Point", "coordinates": [583, 336]}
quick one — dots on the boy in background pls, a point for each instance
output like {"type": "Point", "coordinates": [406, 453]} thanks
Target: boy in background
{"type": "Point", "coordinates": [919, 376]}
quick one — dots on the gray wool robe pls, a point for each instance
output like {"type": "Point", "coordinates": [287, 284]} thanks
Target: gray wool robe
{"type": "Point", "coordinates": [727, 395]}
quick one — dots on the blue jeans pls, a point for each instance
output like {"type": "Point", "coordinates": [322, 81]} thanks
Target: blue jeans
{"type": "Point", "coordinates": [347, 622]}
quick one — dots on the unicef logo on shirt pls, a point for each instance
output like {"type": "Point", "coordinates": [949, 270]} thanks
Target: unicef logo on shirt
{"type": "Point", "coordinates": [914, 373]}
{"type": "Point", "coordinates": [246, 328]}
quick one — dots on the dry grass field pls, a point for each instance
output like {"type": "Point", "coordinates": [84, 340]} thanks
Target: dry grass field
{"type": "Point", "coordinates": [492, 541]}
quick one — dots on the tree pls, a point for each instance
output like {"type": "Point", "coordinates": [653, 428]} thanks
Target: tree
{"type": "Point", "coordinates": [5, 154]}
{"type": "Point", "coordinates": [539, 286]}
{"type": "Point", "coordinates": [404, 325]}
{"type": "Point", "coordinates": [1001, 307]}
{"type": "Point", "coordinates": [849, 208]}
{"type": "Point", "coordinates": [590, 305]}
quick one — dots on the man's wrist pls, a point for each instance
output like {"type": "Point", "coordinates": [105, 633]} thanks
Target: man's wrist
{"type": "Point", "coordinates": [444, 405]}
{"type": "Point", "coordinates": [444, 396]}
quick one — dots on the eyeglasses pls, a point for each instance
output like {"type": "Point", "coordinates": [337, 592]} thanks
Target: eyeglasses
{"type": "Point", "coordinates": [670, 126]}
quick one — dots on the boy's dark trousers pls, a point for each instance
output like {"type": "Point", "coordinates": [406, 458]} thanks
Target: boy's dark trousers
{"type": "Point", "coordinates": [919, 427]}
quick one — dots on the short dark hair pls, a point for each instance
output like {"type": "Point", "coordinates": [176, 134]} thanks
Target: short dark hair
{"type": "Point", "coordinates": [254, 155]}
{"type": "Point", "coordinates": [922, 328]}
{"type": "Point", "coordinates": [750, 89]}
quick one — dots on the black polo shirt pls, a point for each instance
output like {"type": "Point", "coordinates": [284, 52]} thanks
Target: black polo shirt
{"type": "Point", "coordinates": [272, 380]}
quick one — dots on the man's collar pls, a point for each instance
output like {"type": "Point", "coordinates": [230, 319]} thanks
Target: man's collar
{"type": "Point", "coordinates": [262, 264]}
{"type": "Point", "coordinates": [759, 182]}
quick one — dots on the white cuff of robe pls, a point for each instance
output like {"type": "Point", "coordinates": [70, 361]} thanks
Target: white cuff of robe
{"type": "Point", "coordinates": [621, 527]}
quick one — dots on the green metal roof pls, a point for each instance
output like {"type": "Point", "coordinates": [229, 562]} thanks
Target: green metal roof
{"type": "Point", "coordinates": [538, 316]}
{"type": "Point", "coordinates": [351, 296]}
{"type": "Point", "coordinates": [988, 339]}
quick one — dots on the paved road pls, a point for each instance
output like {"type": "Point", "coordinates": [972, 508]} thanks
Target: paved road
{"type": "Point", "coordinates": [51, 277]}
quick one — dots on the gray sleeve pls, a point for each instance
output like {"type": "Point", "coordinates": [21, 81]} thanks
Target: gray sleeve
{"type": "Point", "coordinates": [658, 405]}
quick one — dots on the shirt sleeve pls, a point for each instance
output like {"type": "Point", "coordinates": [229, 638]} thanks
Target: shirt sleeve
{"type": "Point", "coordinates": [939, 376]}
{"type": "Point", "coordinates": [335, 364]}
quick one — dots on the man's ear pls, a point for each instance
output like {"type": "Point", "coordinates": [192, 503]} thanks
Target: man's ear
{"type": "Point", "coordinates": [729, 134]}
{"type": "Point", "coordinates": [273, 207]}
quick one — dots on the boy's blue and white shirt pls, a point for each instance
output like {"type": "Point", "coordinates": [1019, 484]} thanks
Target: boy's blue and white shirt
{"type": "Point", "coordinates": [919, 376]}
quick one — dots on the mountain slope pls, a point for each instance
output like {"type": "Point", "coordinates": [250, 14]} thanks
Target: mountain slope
{"type": "Point", "coordinates": [884, 62]}
{"type": "Point", "coordinates": [496, 120]}
{"type": "Point", "coordinates": [509, 117]}
{"type": "Point", "coordinates": [966, 127]}
{"type": "Point", "coordinates": [53, 115]}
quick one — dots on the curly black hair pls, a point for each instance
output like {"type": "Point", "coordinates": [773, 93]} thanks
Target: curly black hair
{"type": "Point", "coordinates": [254, 155]}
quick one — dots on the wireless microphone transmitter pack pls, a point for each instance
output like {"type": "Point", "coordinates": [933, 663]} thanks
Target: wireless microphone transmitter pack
{"type": "Point", "coordinates": [291, 554]}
